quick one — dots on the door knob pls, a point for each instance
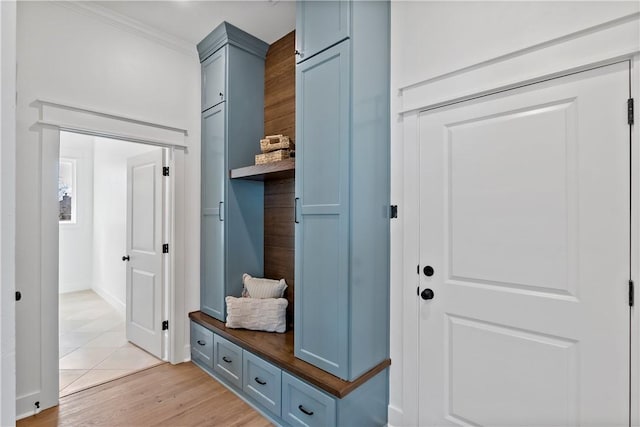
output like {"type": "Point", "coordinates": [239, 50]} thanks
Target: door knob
{"type": "Point", "coordinates": [428, 271]}
{"type": "Point", "coordinates": [125, 258]}
{"type": "Point", "coordinates": [427, 294]}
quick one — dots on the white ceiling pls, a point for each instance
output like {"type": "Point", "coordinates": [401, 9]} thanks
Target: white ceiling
{"type": "Point", "coordinates": [191, 21]}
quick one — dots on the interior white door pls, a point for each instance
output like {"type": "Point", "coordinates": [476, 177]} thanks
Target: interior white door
{"type": "Point", "coordinates": [144, 249]}
{"type": "Point", "coordinates": [524, 219]}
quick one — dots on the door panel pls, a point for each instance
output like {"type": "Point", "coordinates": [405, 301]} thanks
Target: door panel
{"type": "Point", "coordinates": [144, 247]}
{"type": "Point", "coordinates": [212, 238]}
{"type": "Point", "coordinates": [524, 217]}
{"type": "Point", "coordinates": [322, 186]}
{"type": "Point", "coordinates": [213, 79]}
{"type": "Point", "coordinates": [321, 24]}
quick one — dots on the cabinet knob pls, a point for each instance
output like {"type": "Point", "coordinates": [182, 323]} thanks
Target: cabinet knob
{"type": "Point", "coordinates": [221, 95]}
{"type": "Point", "coordinates": [125, 258]}
{"type": "Point", "coordinates": [298, 53]}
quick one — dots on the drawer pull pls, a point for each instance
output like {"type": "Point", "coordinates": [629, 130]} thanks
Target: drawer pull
{"type": "Point", "coordinates": [201, 342]}
{"type": "Point", "coordinates": [226, 359]}
{"type": "Point", "coordinates": [259, 381]}
{"type": "Point", "coordinates": [304, 410]}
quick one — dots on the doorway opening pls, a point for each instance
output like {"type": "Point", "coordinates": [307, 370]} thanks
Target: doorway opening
{"type": "Point", "coordinates": [110, 298]}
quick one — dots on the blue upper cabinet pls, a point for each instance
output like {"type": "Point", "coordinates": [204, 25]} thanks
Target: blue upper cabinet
{"type": "Point", "coordinates": [214, 79]}
{"type": "Point", "coordinates": [320, 25]}
{"type": "Point", "coordinates": [342, 195]}
{"type": "Point", "coordinates": [232, 215]}
{"type": "Point", "coordinates": [322, 184]}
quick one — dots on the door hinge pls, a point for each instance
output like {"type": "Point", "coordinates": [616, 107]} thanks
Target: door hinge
{"type": "Point", "coordinates": [165, 325]}
{"type": "Point", "coordinates": [165, 248]}
{"type": "Point", "coordinates": [165, 171]}
{"type": "Point", "coordinates": [394, 211]}
{"type": "Point", "coordinates": [631, 296]}
{"type": "Point", "coordinates": [630, 111]}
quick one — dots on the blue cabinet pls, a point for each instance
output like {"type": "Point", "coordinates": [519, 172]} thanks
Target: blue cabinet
{"type": "Point", "coordinates": [212, 225]}
{"type": "Point", "coordinates": [232, 216]}
{"type": "Point", "coordinates": [320, 25]}
{"type": "Point", "coordinates": [214, 79]}
{"type": "Point", "coordinates": [322, 190]}
{"type": "Point", "coordinates": [342, 197]}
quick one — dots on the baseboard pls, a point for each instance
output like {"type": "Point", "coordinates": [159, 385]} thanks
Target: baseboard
{"type": "Point", "coordinates": [395, 416]}
{"type": "Point", "coordinates": [68, 288]}
{"type": "Point", "coordinates": [108, 297]}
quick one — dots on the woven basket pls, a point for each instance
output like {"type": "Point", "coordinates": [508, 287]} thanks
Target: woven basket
{"type": "Point", "coordinates": [276, 142]}
{"type": "Point", "coordinates": [273, 156]}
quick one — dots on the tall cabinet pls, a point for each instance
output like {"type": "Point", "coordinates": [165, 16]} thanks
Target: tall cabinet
{"type": "Point", "coordinates": [342, 185]}
{"type": "Point", "coordinates": [232, 218]}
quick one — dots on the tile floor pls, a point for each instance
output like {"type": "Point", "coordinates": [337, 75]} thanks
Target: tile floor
{"type": "Point", "coordinates": [93, 344]}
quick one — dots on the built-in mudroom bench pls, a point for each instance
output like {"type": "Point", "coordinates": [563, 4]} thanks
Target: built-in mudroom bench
{"type": "Point", "coordinates": [262, 368]}
{"type": "Point", "coordinates": [319, 220]}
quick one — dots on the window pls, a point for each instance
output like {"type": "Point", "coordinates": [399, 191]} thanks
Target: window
{"type": "Point", "coordinates": [67, 191]}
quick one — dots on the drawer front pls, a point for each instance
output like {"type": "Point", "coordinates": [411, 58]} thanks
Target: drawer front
{"type": "Point", "coordinates": [304, 405]}
{"type": "Point", "coordinates": [262, 381]}
{"type": "Point", "coordinates": [227, 360]}
{"type": "Point", "coordinates": [201, 345]}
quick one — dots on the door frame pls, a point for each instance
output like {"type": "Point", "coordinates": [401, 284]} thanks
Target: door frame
{"type": "Point", "coordinates": [566, 55]}
{"type": "Point", "coordinates": [55, 117]}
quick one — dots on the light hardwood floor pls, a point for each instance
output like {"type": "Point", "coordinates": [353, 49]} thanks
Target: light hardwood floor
{"type": "Point", "coordinates": [165, 395]}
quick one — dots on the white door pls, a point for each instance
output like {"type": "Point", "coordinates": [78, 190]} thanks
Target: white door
{"type": "Point", "coordinates": [144, 249]}
{"type": "Point", "coordinates": [524, 219]}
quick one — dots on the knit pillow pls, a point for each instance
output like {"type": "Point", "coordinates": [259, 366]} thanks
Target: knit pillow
{"type": "Point", "coordinates": [263, 288]}
{"type": "Point", "coordinates": [269, 314]}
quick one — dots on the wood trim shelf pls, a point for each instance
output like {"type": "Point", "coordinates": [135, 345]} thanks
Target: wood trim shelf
{"type": "Point", "coordinates": [270, 171]}
{"type": "Point", "coordinates": [278, 350]}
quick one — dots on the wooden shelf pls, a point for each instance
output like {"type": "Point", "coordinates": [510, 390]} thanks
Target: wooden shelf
{"type": "Point", "coordinates": [278, 349]}
{"type": "Point", "coordinates": [269, 171]}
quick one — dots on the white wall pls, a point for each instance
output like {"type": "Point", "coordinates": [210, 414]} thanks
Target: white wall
{"type": "Point", "coordinates": [79, 59]}
{"type": "Point", "coordinates": [76, 240]}
{"type": "Point", "coordinates": [438, 37]}
{"type": "Point", "coordinates": [110, 215]}
{"type": "Point", "coordinates": [7, 211]}
{"type": "Point", "coordinates": [434, 39]}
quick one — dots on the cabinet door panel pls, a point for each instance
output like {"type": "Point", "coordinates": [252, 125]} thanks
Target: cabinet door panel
{"type": "Point", "coordinates": [213, 157]}
{"type": "Point", "coordinates": [322, 234]}
{"type": "Point", "coordinates": [212, 225]}
{"type": "Point", "coordinates": [213, 79]}
{"type": "Point", "coordinates": [320, 25]}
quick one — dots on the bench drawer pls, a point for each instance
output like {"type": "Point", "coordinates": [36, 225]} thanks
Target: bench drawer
{"type": "Point", "coordinates": [227, 360]}
{"type": "Point", "coordinates": [262, 381]}
{"type": "Point", "coordinates": [201, 345]}
{"type": "Point", "coordinates": [304, 405]}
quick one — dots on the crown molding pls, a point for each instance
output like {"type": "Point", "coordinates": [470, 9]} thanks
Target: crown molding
{"type": "Point", "coordinates": [129, 25]}
{"type": "Point", "coordinates": [226, 33]}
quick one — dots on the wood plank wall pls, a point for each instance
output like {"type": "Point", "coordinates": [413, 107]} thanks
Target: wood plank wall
{"type": "Point", "coordinates": [280, 118]}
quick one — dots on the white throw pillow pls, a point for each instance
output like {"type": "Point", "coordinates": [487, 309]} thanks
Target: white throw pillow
{"type": "Point", "coordinates": [263, 288]}
{"type": "Point", "coordinates": [269, 314]}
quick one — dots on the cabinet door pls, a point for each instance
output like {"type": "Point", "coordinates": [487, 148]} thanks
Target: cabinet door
{"type": "Point", "coordinates": [322, 202]}
{"type": "Point", "coordinates": [212, 228]}
{"type": "Point", "coordinates": [214, 79]}
{"type": "Point", "coordinates": [320, 24]}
